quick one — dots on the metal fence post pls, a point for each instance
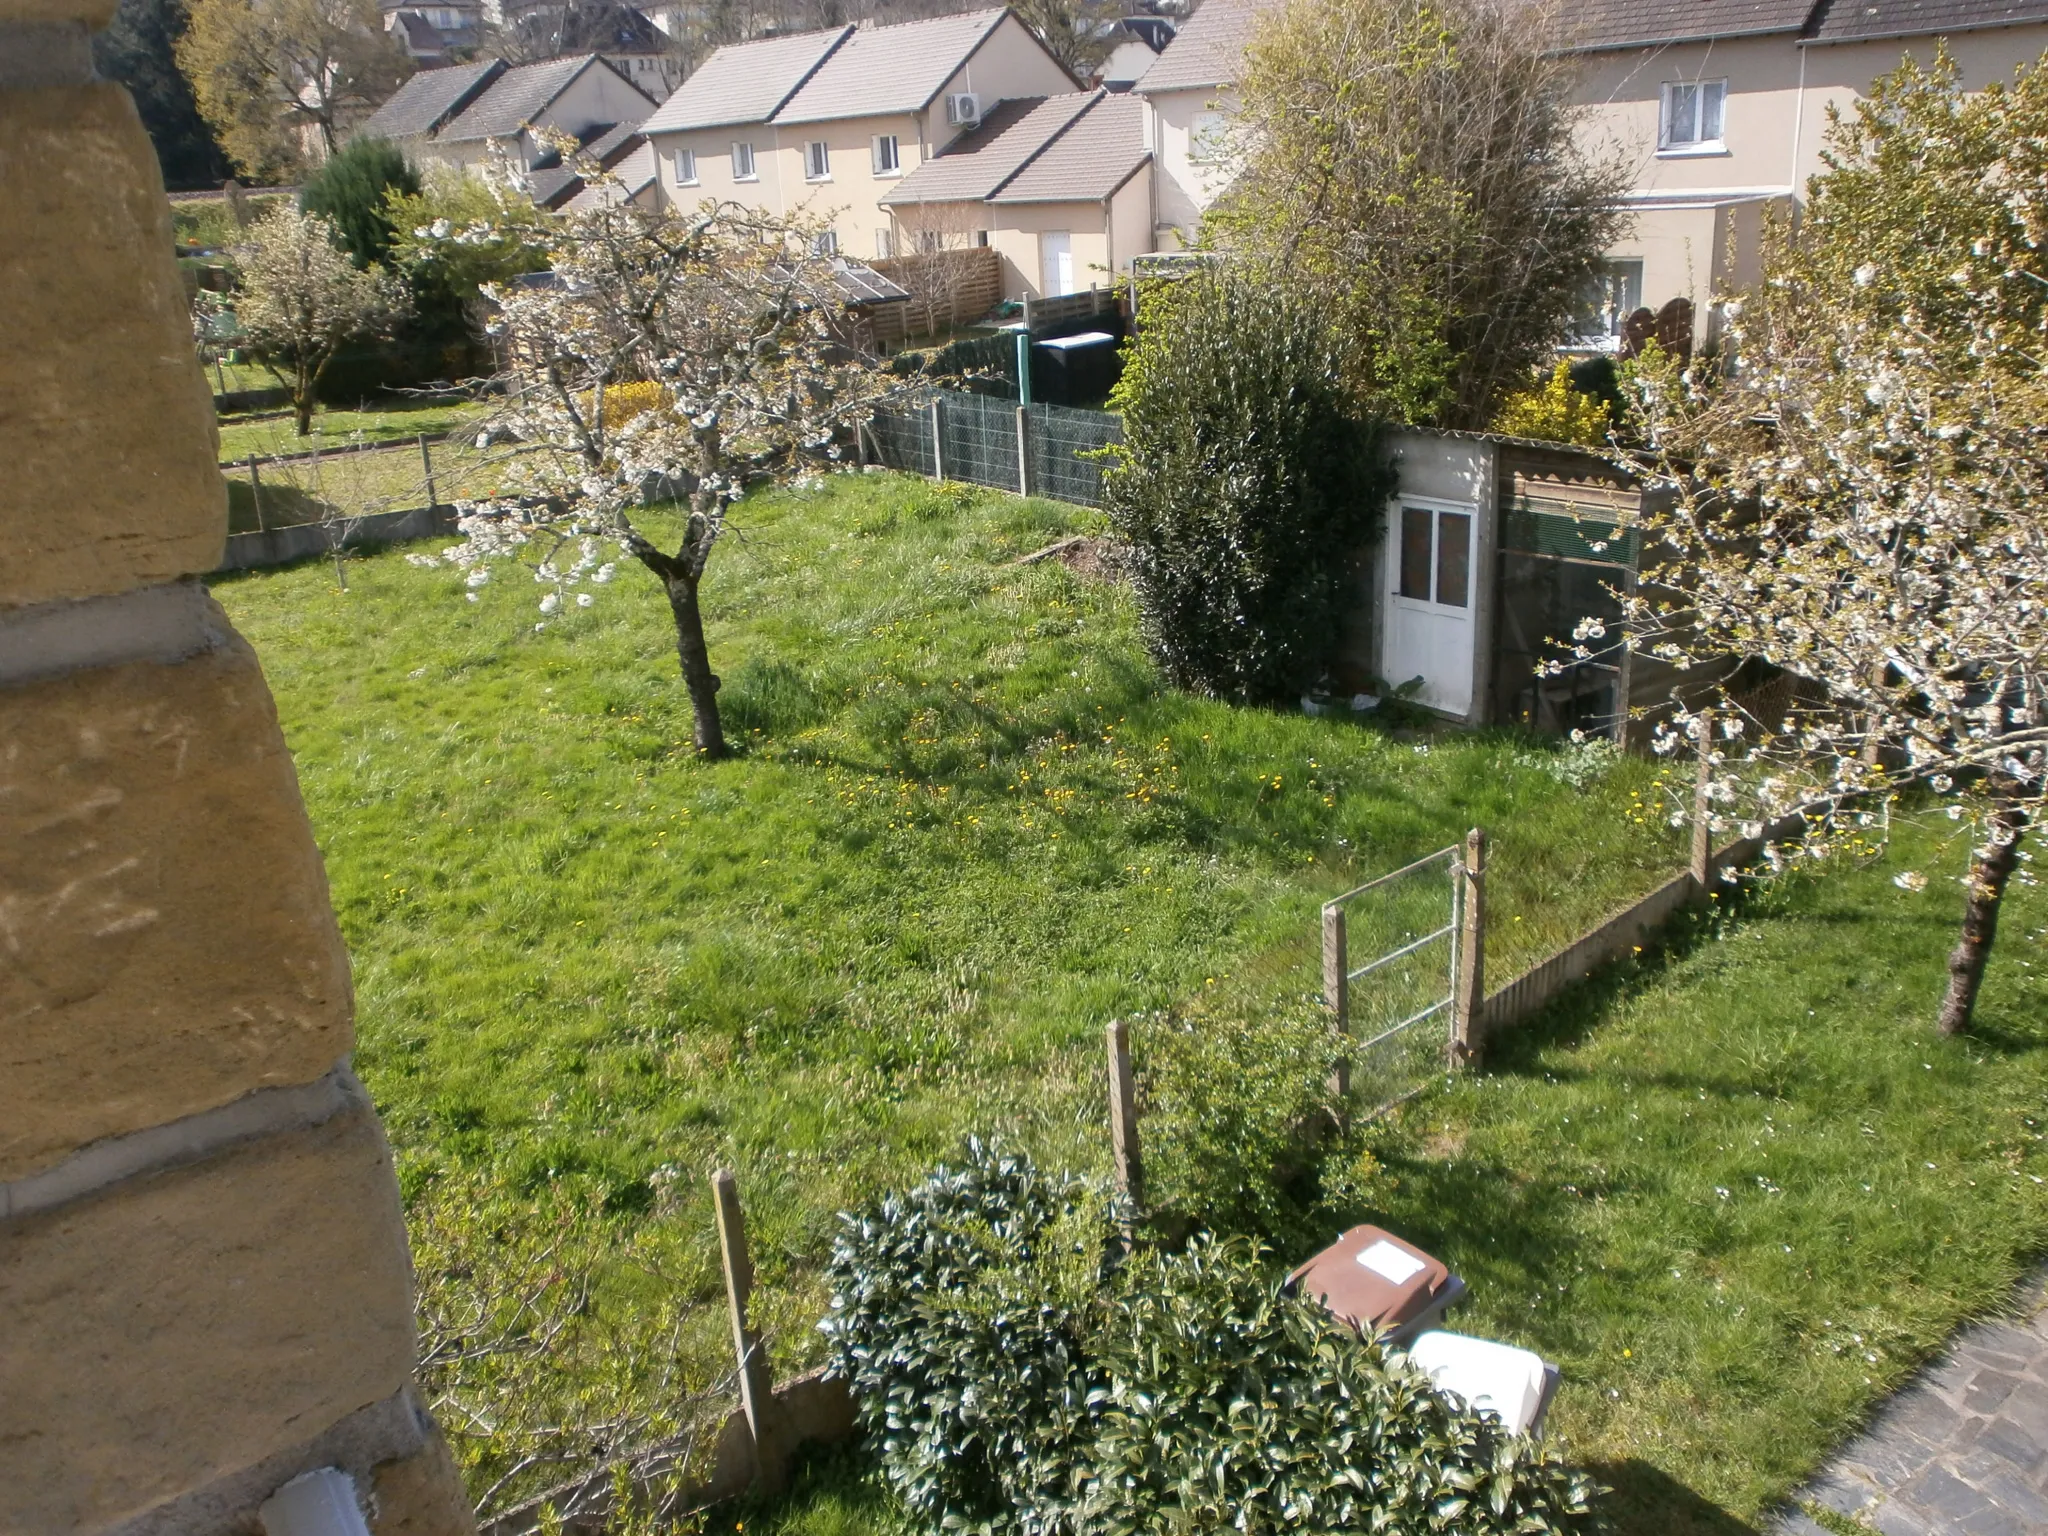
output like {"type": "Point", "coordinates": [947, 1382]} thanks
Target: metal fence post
{"type": "Point", "coordinates": [938, 445]}
{"type": "Point", "coordinates": [1703, 809]}
{"type": "Point", "coordinates": [756, 1393]}
{"type": "Point", "coordinates": [256, 492]}
{"type": "Point", "coordinates": [1468, 991]}
{"type": "Point", "coordinates": [1337, 992]}
{"type": "Point", "coordinates": [1123, 1115]}
{"type": "Point", "coordinates": [427, 464]}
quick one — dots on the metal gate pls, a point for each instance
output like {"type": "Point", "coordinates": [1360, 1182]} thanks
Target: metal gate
{"type": "Point", "coordinates": [1409, 922]}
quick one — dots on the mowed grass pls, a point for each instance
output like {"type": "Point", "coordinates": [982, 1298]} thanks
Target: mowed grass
{"type": "Point", "coordinates": [396, 420]}
{"type": "Point", "coordinates": [1740, 1191]}
{"type": "Point", "coordinates": [966, 826]}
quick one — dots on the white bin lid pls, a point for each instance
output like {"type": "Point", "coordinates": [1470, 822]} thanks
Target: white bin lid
{"type": "Point", "coordinates": [1507, 1380]}
{"type": "Point", "coordinates": [1085, 339]}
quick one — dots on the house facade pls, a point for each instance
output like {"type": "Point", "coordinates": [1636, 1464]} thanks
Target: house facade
{"type": "Point", "coordinates": [1720, 110]}
{"type": "Point", "coordinates": [1189, 97]}
{"type": "Point", "coordinates": [1059, 186]}
{"type": "Point", "coordinates": [825, 124]}
{"type": "Point", "coordinates": [482, 110]}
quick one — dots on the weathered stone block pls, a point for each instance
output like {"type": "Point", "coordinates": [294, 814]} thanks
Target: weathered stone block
{"type": "Point", "coordinates": [111, 480]}
{"type": "Point", "coordinates": [166, 940]}
{"type": "Point", "coordinates": [174, 1328]}
{"type": "Point", "coordinates": [423, 1494]}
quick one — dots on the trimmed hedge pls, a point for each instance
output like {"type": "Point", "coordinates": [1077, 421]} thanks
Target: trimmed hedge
{"type": "Point", "coordinates": [1018, 1375]}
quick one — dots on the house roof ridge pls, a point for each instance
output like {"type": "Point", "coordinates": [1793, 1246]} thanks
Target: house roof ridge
{"type": "Point", "coordinates": [817, 64]}
{"type": "Point", "coordinates": [1000, 15]}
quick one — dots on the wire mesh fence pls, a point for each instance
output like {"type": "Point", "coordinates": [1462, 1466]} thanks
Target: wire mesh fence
{"type": "Point", "coordinates": [1403, 930]}
{"type": "Point", "coordinates": [978, 438]}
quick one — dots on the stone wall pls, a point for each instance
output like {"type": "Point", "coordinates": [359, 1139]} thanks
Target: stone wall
{"type": "Point", "coordinates": [204, 1285]}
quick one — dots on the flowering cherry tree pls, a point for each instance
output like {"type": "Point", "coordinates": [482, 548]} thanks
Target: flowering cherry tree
{"type": "Point", "coordinates": [664, 355]}
{"type": "Point", "coordinates": [1860, 499]}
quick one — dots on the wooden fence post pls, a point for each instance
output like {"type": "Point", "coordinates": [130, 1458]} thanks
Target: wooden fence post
{"type": "Point", "coordinates": [1337, 992]}
{"type": "Point", "coordinates": [1023, 450]}
{"type": "Point", "coordinates": [1123, 1115]}
{"type": "Point", "coordinates": [1703, 809]}
{"type": "Point", "coordinates": [938, 446]}
{"type": "Point", "coordinates": [1468, 989]}
{"type": "Point", "coordinates": [427, 465]}
{"type": "Point", "coordinates": [256, 492]}
{"type": "Point", "coordinates": [756, 1394]}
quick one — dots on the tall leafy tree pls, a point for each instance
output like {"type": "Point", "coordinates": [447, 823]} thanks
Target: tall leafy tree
{"type": "Point", "coordinates": [352, 190]}
{"type": "Point", "coordinates": [1413, 163]}
{"type": "Point", "coordinates": [137, 49]}
{"type": "Point", "coordinates": [1862, 502]}
{"type": "Point", "coordinates": [269, 75]}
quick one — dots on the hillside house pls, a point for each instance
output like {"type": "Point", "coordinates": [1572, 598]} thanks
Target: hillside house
{"type": "Point", "coordinates": [1188, 97]}
{"type": "Point", "coordinates": [1720, 107]}
{"type": "Point", "coordinates": [825, 123]}
{"type": "Point", "coordinates": [484, 109]}
{"type": "Point", "coordinates": [1060, 186]}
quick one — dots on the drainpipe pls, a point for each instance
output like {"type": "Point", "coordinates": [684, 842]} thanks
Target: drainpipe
{"type": "Point", "coordinates": [321, 1503]}
{"type": "Point", "coordinates": [1798, 127]}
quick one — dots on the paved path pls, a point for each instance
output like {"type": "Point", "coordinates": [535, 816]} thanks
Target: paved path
{"type": "Point", "coordinates": [1964, 1449]}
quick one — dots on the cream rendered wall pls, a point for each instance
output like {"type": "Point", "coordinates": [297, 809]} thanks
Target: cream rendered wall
{"type": "Point", "coordinates": [1017, 227]}
{"type": "Point", "coordinates": [1130, 221]}
{"type": "Point", "coordinates": [850, 197]}
{"type": "Point", "coordinates": [1182, 187]}
{"type": "Point", "coordinates": [1009, 63]}
{"type": "Point", "coordinates": [715, 181]}
{"type": "Point", "coordinates": [597, 95]}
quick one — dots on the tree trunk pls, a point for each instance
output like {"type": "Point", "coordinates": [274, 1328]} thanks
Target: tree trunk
{"type": "Point", "coordinates": [302, 407]}
{"type": "Point", "coordinates": [695, 655]}
{"type": "Point", "coordinates": [1991, 867]}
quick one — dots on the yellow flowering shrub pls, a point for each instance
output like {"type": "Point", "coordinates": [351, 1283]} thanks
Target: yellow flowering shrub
{"type": "Point", "coordinates": [1555, 412]}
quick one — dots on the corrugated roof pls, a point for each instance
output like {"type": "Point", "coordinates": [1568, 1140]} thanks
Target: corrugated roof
{"type": "Point", "coordinates": [1596, 24]}
{"type": "Point", "coordinates": [862, 284]}
{"type": "Point", "coordinates": [519, 96]}
{"type": "Point", "coordinates": [1846, 21]}
{"type": "Point", "coordinates": [1094, 156]}
{"type": "Point", "coordinates": [892, 69]}
{"type": "Point", "coordinates": [1209, 48]}
{"type": "Point", "coordinates": [745, 82]}
{"type": "Point", "coordinates": [976, 163]}
{"type": "Point", "coordinates": [428, 99]}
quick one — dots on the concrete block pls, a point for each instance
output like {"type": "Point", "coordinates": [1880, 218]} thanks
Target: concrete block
{"type": "Point", "coordinates": [177, 1327]}
{"type": "Point", "coordinates": [166, 940]}
{"type": "Point", "coordinates": [111, 480]}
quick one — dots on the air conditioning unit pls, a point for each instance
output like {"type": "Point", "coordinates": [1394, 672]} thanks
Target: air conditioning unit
{"type": "Point", "coordinates": [963, 110]}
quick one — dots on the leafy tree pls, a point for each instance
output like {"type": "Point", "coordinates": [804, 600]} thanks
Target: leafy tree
{"type": "Point", "coordinates": [137, 49]}
{"type": "Point", "coordinates": [1075, 32]}
{"type": "Point", "coordinates": [741, 366]}
{"type": "Point", "coordinates": [1862, 502]}
{"type": "Point", "coordinates": [352, 189]}
{"type": "Point", "coordinates": [1243, 483]}
{"type": "Point", "coordinates": [265, 74]}
{"type": "Point", "coordinates": [452, 237]}
{"type": "Point", "coordinates": [302, 298]}
{"type": "Point", "coordinates": [1413, 163]}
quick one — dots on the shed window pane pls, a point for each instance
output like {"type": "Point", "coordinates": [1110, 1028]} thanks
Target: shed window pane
{"type": "Point", "coordinates": [1453, 558]}
{"type": "Point", "coordinates": [1415, 553]}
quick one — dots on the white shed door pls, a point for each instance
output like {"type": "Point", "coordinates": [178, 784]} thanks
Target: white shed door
{"type": "Point", "coordinates": [1056, 262]}
{"type": "Point", "coordinates": [1432, 550]}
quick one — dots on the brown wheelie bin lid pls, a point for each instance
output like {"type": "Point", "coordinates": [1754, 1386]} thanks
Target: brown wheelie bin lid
{"type": "Point", "coordinates": [1371, 1279]}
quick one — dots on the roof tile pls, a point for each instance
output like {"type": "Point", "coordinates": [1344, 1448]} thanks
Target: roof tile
{"type": "Point", "coordinates": [428, 99]}
{"type": "Point", "coordinates": [887, 70]}
{"type": "Point", "coordinates": [1844, 21]}
{"type": "Point", "coordinates": [979, 161]}
{"type": "Point", "coordinates": [1091, 159]}
{"type": "Point", "coordinates": [518, 96]}
{"type": "Point", "coordinates": [1209, 48]}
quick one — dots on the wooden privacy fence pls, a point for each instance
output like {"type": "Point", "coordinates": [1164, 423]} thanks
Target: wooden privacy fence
{"type": "Point", "coordinates": [946, 288]}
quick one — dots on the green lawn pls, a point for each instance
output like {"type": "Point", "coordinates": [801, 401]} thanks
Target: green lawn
{"type": "Point", "coordinates": [965, 828]}
{"type": "Point", "coordinates": [392, 421]}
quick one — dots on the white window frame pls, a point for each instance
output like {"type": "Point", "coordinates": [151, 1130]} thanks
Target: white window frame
{"type": "Point", "coordinates": [684, 163]}
{"type": "Point", "coordinates": [817, 161]}
{"type": "Point", "coordinates": [1701, 92]}
{"type": "Point", "coordinates": [887, 151]}
{"type": "Point", "coordinates": [744, 151]}
{"type": "Point", "coordinates": [885, 244]}
{"type": "Point", "coordinates": [1620, 278]}
{"type": "Point", "coordinates": [825, 243]}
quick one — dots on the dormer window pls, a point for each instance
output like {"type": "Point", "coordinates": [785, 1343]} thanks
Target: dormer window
{"type": "Point", "coordinates": [1691, 121]}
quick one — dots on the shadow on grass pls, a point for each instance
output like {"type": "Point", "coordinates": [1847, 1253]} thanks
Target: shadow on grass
{"type": "Point", "coordinates": [1648, 1501]}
